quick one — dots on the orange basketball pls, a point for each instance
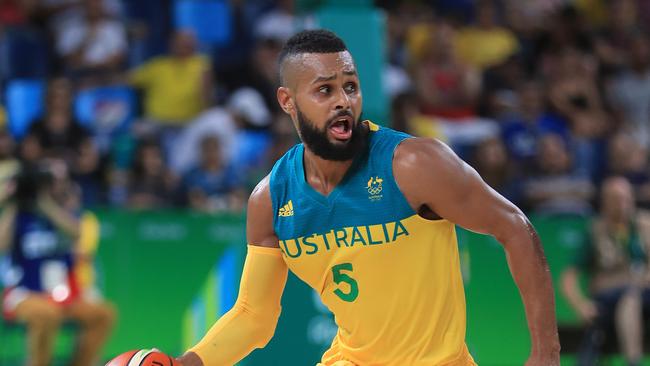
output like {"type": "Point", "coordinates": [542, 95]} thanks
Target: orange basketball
{"type": "Point", "coordinates": [143, 357]}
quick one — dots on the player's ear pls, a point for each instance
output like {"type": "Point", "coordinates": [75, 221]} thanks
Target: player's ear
{"type": "Point", "coordinates": [284, 99]}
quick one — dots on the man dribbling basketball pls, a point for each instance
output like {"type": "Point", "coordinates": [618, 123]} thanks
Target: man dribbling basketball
{"type": "Point", "coordinates": [366, 216]}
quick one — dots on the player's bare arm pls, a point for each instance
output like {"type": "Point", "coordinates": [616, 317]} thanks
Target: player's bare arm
{"type": "Point", "coordinates": [263, 280]}
{"type": "Point", "coordinates": [259, 221]}
{"type": "Point", "coordinates": [438, 184]}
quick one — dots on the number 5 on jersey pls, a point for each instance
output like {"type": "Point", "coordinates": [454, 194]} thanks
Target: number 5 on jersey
{"type": "Point", "coordinates": [338, 276]}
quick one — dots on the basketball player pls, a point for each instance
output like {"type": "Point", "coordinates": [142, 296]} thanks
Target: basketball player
{"type": "Point", "coordinates": [365, 215]}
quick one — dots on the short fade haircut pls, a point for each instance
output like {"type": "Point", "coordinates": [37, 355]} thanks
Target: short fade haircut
{"type": "Point", "coordinates": [310, 41]}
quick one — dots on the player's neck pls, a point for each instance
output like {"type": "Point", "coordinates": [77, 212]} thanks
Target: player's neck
{"type": "Point", "coordinates": [324, 175]}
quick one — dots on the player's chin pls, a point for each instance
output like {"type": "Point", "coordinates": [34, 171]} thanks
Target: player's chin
{"type": "Point", "coordinates": [340, 142]}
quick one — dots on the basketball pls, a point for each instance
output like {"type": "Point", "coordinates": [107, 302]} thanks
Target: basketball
{"type": "Point", "coordinates": [144, 357]}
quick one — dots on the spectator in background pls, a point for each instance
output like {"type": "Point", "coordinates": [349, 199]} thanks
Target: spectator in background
{"type": "Point", "coordinates": [279, 23]}
{"type": "Point", "coordinates": [499, 88]}
{"type": "Point", "coordinates": [556, 188]}
{"type": "Point", "coordinates": [30, 149]}
{"type": "Point", "coordinates": [176, 87]}
{"type": "Point", "coordinates": [94, 46]}
{"type": "Point", "coordinates": [7, 146]}
{"type": "Point", "coordinates": [260, 72]}
{"type": "Point", "coordinates": [530, 120]}
{"type": "Point", "coordinates": [526, 18]}
{"type": "Point", "coordinates": [626, 157]}
{"type": "Point", "coordinates": [16, 12]}
{"type": "Point", "coordinates": [612, 42]}
{"type": "Point", "coordinates": [492, 162]}
{"type": "Point", "coordinates": [615, 257]}
{"type": "Point", "coordinates": [574, 94]}
{"type": "Point", "coordinates": [216, 121]}
{"type": "Point", "coordinates": [448, 90]}
{"type": "Point", "coordinates": [263, 69]}
{"type": "Point", "coordinates": [446, 87]}
{"type": "Point", "coordinates": [242, 128]}
{"type": "Point", "coordinates": [249, 109]}
{"type": "Point", "coordinates": [212, 185]}
{"type": "Point", "coordinates": [283, 138]}
{"type": "Point", "coordinates": [270, 32]}
{"type": "Point", "coordinates": [563, 28]}
{"type": "Point", "coordinates": [59, 135]}
{"type": "Point", "coordinates": [151, 185]}
{"type": "Point", "coordinates": [629, 92]}
{"type": "Point", "coordinates": [396, 80]}
{"type": "Point", "coordinates": [406, 117]}
{"type": "Point", "coordinates": [9, 165]}
{"type": "Point", "coordinates": [3, 116]}
{"type": "Point", "coordinates": [39, 228]}
{"type": "Point", "coordinates": [487, 43]}
{"type": "Point", "coordinates": [58, 14]}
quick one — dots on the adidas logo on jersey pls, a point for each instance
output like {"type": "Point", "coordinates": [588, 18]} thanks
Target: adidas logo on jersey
{"type": "Point", "coordinates": [286, 210]}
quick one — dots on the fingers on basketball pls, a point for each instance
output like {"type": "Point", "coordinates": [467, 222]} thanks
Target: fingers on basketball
{"type": "Point", "coordinates": [143, 357]}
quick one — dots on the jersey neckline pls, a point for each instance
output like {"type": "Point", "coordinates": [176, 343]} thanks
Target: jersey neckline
{"type": "Point", "coordinates": [310, 191]}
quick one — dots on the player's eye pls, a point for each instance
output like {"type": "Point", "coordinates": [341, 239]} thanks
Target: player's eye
{"type": "Point", "coordinates": [325, 89]}
{"type": "Point", "coordinates": [350, 88]}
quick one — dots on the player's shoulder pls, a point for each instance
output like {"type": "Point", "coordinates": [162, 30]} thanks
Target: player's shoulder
{"type": "Point", "coordinates": [259, 217]}
{"type": "Point", "coordinates": [281, 173]}
{"type": "Point", "coordinates": [259, 201]}
{"type": "Point", "coordinates": [417, 153]}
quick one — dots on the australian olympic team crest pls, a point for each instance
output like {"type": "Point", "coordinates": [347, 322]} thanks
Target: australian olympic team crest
{"type": "Point", "coordinates": [374, 188]}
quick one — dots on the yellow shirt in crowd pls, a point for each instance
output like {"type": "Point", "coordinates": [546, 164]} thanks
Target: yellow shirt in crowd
{"type": "Point", "coordinates": [173, 88]}
{"type": "Point", "coordinates": [3, 117]}
{"type": "Point", "coordinates": [483, 48]}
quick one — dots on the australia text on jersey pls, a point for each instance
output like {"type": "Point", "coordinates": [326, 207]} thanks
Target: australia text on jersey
{"type": "Point", "coordinates": [347, 237]}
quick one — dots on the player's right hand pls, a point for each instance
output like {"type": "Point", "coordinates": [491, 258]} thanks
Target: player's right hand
{"type": "Point", "coordinates": [190, 359]}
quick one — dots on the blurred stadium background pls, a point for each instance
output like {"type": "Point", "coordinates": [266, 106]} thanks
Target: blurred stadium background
{"type": "Point", "coordinates": [165, 113]}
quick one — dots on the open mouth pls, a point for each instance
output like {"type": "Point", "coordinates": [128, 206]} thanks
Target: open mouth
{"type": "Point", "coordinates": [341, 128]}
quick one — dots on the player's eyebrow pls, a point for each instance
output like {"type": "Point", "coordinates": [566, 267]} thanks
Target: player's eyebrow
{"type": "Point", "coordinates": [321, 79]}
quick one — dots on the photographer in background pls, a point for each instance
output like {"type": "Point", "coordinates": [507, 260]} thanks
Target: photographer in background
{"type": "Point", "coordinates": [40, 229]}
{"type": "Point", "coordinates": [614, 257]}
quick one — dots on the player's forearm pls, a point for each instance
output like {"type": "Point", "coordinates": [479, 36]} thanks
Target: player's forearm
{"type": "Point", "coordinates": [531, 274]}
{"type": "Point", "coordinates": [234, 336]}
{"type": "Point", "coordinates": [250, 324]}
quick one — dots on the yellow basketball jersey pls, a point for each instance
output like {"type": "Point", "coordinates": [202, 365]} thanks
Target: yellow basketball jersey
{"type": "Point", "coordinates": [391, 278]}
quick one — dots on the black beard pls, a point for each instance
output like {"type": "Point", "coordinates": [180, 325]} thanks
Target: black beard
{"type": "Point", "coordinates": [316, 139]}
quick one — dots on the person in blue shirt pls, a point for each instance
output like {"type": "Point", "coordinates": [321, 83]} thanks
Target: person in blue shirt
{"type": "Point", "coordinates": [212, 184]}
{"type": "Point", "coordinates": [39, 230]}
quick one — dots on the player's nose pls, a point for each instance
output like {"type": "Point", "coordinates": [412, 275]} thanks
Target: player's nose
{"type": "Point", "coordinates": [343, 100]}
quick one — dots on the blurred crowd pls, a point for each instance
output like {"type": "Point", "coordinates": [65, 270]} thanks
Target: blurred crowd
{"type": "Point", "coordinates": [544, 98]}
{"type": "Point", "coordinates": [144, 113]}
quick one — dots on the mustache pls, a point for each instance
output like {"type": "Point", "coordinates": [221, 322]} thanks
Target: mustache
{"type": "Point", "coordinates": [343, 113]}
